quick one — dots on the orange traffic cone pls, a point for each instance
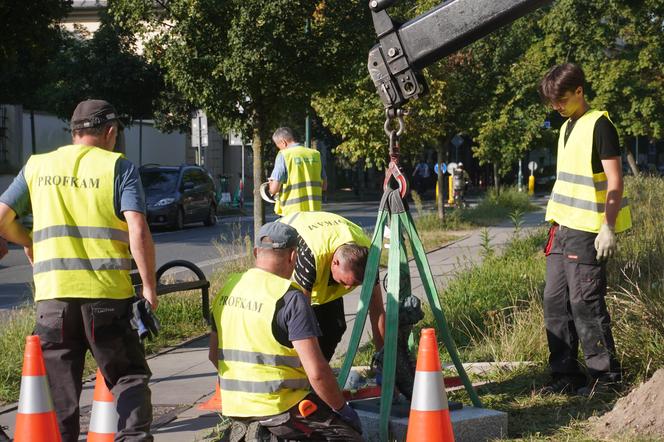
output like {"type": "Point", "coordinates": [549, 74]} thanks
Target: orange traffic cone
{"type": "Point", "coordinates": [104, 416]}
{"type": "Point", "coordinates": [214, 403]}
{"type": "Point", "coordinates": [36, 418]}
{"type": "Point", "coordinates": [429, 418]}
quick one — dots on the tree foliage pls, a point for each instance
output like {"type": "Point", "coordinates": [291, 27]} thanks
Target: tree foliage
{"type": "Point", "coordinates": [248, 63]}
{"type": "Point", "coordinates": [488, 90]}
{"type": "Point", "coordinates": [103, 65]}
{"type": "Point", "coordinates": [30, 40]}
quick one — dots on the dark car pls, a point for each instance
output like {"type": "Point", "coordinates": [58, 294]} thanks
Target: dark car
{"type": "Point", "coordinates": [176, 195]}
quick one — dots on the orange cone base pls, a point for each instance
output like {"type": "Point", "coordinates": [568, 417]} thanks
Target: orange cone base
{"type": "Point", "coordinates": [99, 437]}
{"type": "Point", "coordinates": [430, 426]}
{"type": "Point", "coordinates": [42, 427]}
{"type": "Point", "coordinates": [214, 403]}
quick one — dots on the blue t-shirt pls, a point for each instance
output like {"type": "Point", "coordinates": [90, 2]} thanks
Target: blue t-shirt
{"type": "Point", "coordinates": [280, 172]}
{"type": "Point", "coordinates": [127, 196]}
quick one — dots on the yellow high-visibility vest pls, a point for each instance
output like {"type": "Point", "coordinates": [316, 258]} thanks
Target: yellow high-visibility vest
{"type": "Point", "coordinates": [578, 198]}
{"type": "Point", "coordinates": [81, 247]}
{"type": "Point", "coordinates": [258, 375]}
{"type": "Point", "coordinates": [303, 189]}
{"type": "Point", "coordinates": [324, 233]}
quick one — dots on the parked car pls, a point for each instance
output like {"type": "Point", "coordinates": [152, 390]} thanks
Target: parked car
{"type": "Point", "coordinates": [176, 195]}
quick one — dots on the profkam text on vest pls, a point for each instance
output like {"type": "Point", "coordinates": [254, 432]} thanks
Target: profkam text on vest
{"type": "Point", "coordinates": [68, 181]}
{"type": "Point", "coordinates": [245, 304]}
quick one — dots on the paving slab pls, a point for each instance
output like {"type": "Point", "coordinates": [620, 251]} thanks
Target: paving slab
{"type": "Point", "coordinates": [469, 424]}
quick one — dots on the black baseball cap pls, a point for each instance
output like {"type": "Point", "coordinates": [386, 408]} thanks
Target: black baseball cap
{"type": "Point", "coordinates": [282, 236]}
{"type": "Point", "coordinates": [93, 113]}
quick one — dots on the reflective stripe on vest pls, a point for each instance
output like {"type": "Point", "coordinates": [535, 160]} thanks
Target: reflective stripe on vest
{"type": "Point", "coordinates": [258, 376]}
{"type": "Point", "coordinates": [303, 189]}
{"type": "Point", "coordinates": [578, 198]}
{"type": "Point", "coordinates": [324, 233]}
{"type": "Point", "coordinates": [81, 264]}
{"type": "Point", "coordinates": [253, 357]}
{"type": "Point", "coordinates": [81, 232]}
{"type": "Point", "coordinates": [81, 247]}
{"type": "Point", "coordinates": [261, 387]}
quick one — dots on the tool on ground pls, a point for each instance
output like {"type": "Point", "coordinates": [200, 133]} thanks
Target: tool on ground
{"type": "Point", "coordinates": [307, 407]}
{"type": "Point", "coordinates": [429, 414]}
{"type": "Point", "coordinates": [35, 419]}
{"type": "Point", "coordinates": [144, 320]}
{"type": "Point", "coordinates": [104, 415]}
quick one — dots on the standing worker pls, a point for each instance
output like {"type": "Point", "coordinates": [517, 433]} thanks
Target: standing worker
{"type": "Point", "coordinates": [586, 210]}
{"type": "Point", "coordinates": [331, 258]}
{"type": "Point", "coordinates": [298, 175]}
{"type": "Point", "coordinates": [89, 210]}
{"type": "Point", "coordinates": [264, 345]}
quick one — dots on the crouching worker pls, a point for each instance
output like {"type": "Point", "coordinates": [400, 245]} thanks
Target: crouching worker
{"type": "Point", "coordinates": [332, 256]}
{"type": "Point", "coordinates": [264, 343]}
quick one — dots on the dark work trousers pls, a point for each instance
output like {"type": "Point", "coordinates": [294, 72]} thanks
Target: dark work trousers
{"type": "Point", "coordinates": [332, 321]}
{"type": "Point", "coordinates": [322, 425]}
{"type": "Point", "coordinates": [69, 327]}
{"type": "Point", "coordinates": [575, 309]}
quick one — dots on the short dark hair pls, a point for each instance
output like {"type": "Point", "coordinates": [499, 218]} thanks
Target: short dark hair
{"type": "Point", "coordinates": [354, 257]}
{"type": "Point", "coordinates": [93, 131]}
{"type": "Point", "coordinates": [559, 80]}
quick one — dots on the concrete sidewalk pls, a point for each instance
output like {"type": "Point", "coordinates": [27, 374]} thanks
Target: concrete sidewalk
{"type": "Point", "coordinates": [183, 377]}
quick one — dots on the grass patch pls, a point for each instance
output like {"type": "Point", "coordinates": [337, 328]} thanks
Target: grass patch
{"type": "Point", "coordinates": [497, 206]}
{"type": "Point", "coordinates": [14, 327]}
{"type": "Point", "coordinates": [482, 297]}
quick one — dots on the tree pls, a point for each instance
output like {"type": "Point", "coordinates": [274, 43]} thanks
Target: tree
{"type": "Point", "coordinates": [104, 65]}
{"type": "Point", "coordinates": [618, 44]}
{"type": "Point", "coordinates": [30, 39]}
{"type": "Point", "coordinates": [248, 63]}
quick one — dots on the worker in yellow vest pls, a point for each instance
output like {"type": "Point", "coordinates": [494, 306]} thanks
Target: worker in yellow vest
{"type": "Point", "coordinates": [88, 212]}
{"type": "Point", "coordinates": [264, 345]}
{"type": "Point", "coordinates": [586, 208]}
{"type": "Point", "coordinates": [298, 175]}
{"type": "Point", "coordinates": [331, 258]}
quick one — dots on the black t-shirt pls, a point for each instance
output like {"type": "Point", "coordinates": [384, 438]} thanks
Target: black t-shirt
{"type": "Point", "coordinates": [294, 319]}
{"type": "Point", "coordinates": [305, 266]}
{"type": "Point", "coordinates": [605, 141]}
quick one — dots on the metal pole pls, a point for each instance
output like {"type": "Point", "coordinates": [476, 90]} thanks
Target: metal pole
{"type": "Point", "coordinates": [140, 142]}
{"type": "Point", "coordinates": [32, 131]}
{"type": "Point", "coordinates": [637, 150]}
{"type": "Point", "coordinates": [200, 142]}
{"type": "Point", "coordinates": [242, 180]}
{"type": "Point", "coordinates": [307, 130]}
{"type": "Point", "coordinates": [520, 176]}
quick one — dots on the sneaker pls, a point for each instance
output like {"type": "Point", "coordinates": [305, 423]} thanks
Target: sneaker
{"type": "Point", "coordinates": [563, 385]}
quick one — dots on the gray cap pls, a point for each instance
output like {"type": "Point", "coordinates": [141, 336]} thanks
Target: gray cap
{"type": "Point", "coordinates": [93, 113]}
{"type": "Point", "coordinates": [281, 236]}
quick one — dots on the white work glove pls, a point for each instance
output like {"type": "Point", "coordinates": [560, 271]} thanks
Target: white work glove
{"type": "Point", "coordinates": [606, 242]}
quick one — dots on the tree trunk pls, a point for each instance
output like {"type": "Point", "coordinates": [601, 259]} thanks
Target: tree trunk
{"type": "Point", "coordinates": [257, 147]}
{"type": "Point", "coordinates": [631, 161]}
{"type": "Point", "coordinates": [496, 177]}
